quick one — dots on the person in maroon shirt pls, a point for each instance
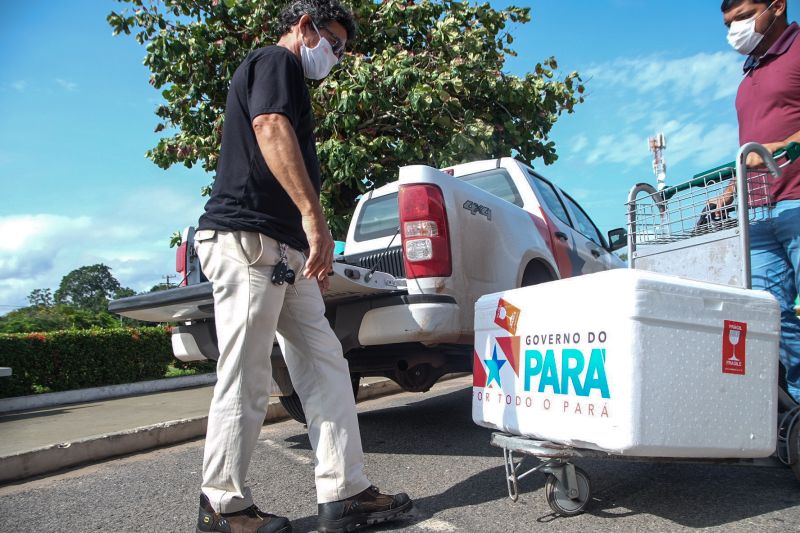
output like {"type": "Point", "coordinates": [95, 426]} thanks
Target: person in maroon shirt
{"type": "Point", "coordinates": [768, 107]}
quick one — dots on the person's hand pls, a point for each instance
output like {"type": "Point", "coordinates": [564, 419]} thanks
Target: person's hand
{"type": "Point", "coordinates": [320, 256]}
{"type": "Point", "coordinates": [723, 200]}
{"type": "Point", "coordinates": [756, 161]}
{"type": "Point", "coordinates": [324, 284]}
{"type": "Point", "coordinates": [716, 205]}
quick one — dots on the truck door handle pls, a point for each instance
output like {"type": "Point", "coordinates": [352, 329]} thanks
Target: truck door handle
{"type": "Point", "coordinates": [595, 253]}
{"type": "Point", "coordinates": [561, 235]}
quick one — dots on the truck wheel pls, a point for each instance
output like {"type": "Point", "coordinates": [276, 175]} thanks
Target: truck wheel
{"type": "Point", "coordinates": [794, 442]}
{"type": "Point", "coordinates": [536, 273]}
{"type": "Point", "coordinates": [295, 408]}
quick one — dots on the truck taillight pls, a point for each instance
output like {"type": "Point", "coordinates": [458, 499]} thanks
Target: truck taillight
{"type": "Point", "coordinates": [420, 228]}
{"type": "Point", "coordinates": [423, 224]}
{"type": "Point", "coordinates": [180, 262]}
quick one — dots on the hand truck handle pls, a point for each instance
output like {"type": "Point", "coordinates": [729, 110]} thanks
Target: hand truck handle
{"type": "Point", "coordinates": [742, 201]}
{"type": "Point", "coordinates": [767, 157]}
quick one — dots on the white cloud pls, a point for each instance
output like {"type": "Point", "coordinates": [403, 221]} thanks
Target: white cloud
{"type": "Point", "coordinates": [19, 85]}
{"type": "Point", "coordinates": [701, 144]}
{"type": "Point", "coordinates": [131, 237]}
{"type": "Point", "coordinates": [579, 143]}
{"type": "Point", "coordinates": [689, 99]}
{"type": "Point", "coordinates": [626, 148]}
{"type": "Point", "coordinates": [703, 77]}
{"type": "Point", "coordinates": [67, 85]}
{"type": "Point", "coordinates": [23, 232]}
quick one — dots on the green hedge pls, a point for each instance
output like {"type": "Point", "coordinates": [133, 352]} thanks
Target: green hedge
{"type": "Point", "coordinates": [66, 360]}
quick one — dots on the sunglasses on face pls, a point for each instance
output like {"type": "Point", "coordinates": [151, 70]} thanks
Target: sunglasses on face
{"type": "Point", "coordinates": [337, 46]}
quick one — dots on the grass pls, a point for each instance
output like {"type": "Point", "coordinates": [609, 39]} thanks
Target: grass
{"type": "Point", "coordinates": [173, 372]}
{"type": "Point", "coordinates": [196, 368]}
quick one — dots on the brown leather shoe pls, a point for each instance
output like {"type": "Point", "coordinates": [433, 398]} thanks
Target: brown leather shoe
{"type": "Point", "coordinates": [250, 520]}
{"type": "Point", "coordinates": [365, 508]}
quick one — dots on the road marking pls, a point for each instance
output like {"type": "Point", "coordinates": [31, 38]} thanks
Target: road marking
{"type": "Point", "coordinates": [292, 456]}
{"type": "Point", "coordinates": [434, 524]}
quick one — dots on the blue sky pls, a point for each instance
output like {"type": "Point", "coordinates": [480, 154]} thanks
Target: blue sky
{"type": "Point", "coordinates": [77, 118]}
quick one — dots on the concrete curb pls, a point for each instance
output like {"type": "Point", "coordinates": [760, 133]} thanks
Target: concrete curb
{"type": "Point", "coordinates": [91, 449]}
{"type": "Point", "coordinates": [50, 399]}
{"type": "Point", "coordinates": [59, 456]}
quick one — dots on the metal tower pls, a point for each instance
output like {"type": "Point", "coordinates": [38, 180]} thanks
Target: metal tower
{"type": "Point", "coordinates": [657, 145]}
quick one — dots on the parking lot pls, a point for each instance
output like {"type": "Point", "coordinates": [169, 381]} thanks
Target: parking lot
{"type": "Point", "coordinates": [427, 445]}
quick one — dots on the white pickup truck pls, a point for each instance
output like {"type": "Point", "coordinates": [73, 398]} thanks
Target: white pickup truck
{"type": "Point", "coordinates": [419, 253]}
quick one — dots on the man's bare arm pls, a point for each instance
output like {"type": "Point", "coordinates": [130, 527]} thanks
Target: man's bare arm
{"type": "Point", "coordinates": [753, 161]}
{"type": "Point", "coordinates": [278, 144]}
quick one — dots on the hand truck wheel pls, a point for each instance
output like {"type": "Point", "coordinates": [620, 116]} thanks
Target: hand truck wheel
{"type": "Point", "coordinates": [794, 451]}
{"type": "Point", "coordinates": [558, 499]}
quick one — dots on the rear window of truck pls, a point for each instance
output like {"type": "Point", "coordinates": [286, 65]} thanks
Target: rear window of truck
{"type": "Point", "coordinates": [379, 218]}
{"type": "Point", "coordinates": [496, 182]}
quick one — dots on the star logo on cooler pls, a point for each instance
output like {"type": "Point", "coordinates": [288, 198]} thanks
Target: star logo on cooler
{"type": "Point", "coordinates": [507, 316]}
{"type": "Point", "coordinates": [494, 365]}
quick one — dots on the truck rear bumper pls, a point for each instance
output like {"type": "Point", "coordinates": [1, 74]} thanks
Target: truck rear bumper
{"type": "Point", "coordinates": [195, 342]}
{"type": "Point", "coordinates": [185, 348]}
{"type": "Point", "coordinates": [420, 321]}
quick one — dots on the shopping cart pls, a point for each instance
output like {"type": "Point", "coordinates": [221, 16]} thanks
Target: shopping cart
{"type": "Point", "coordinates": [678, 230]}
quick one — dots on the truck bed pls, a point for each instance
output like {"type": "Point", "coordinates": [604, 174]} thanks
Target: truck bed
{"type": "Point", "coordinates": [196, 302]}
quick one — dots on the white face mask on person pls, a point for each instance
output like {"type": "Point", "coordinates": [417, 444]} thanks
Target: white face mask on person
{"type": "Point", "coordinates": [318, 61]}
{"type": "Point", "coordinates": [742, 34]}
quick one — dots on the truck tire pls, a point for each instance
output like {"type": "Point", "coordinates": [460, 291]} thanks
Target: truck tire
{"type": "Point", "coordinates": [535, 273]}
{"type": "Point", "coordinates": [295, 408]}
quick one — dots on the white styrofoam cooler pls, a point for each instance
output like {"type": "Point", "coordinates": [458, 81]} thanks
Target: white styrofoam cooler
{"type": "Point", "coordinates": [631, 362]}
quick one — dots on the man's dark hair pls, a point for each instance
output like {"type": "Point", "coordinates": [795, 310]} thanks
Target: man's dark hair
{"type": "Point", "coordinates": [727, 5]}
{"type": "Point", "coordinates": [322, 12]}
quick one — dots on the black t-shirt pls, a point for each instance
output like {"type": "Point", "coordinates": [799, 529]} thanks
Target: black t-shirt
{"type": "Point", "coordinates": [245, 195]}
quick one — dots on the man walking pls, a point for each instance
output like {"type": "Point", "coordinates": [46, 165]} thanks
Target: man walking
{"type": "Point", "coordinates": [768, 106]}
{"type": "Point", "coordinates": [262, 219]}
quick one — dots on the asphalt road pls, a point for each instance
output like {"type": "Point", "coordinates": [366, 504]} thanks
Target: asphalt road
{"type": "Point", "coordinates": [428, 446]}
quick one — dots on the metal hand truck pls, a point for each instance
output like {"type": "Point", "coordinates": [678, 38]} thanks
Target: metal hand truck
{"type": "Point", "coordinates": [687, 231]}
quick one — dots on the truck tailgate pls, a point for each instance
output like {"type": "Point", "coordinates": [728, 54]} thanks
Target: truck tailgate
{"type": "Point", "coordinates": [172, 305]}
{"type": "Point", "coordinates": [196, 302]}
{"type": "Point", "coordinates": [349, 282]}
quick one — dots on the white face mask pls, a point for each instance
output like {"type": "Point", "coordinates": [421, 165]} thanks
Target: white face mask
{"type": "Point", "coordinates": [318, 61]}
{"type": "Point", "coordinates": [742, 35]}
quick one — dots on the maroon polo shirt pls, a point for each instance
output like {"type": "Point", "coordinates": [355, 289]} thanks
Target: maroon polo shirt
{"type": "Point", "coordinates": [768, 104]}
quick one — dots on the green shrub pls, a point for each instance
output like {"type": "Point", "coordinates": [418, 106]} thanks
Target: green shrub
{"type": "Point", "coordinates": [76, 359]}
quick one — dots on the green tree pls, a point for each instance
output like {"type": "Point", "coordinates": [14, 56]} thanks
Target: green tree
{"type": "Point", "coordinates": [90, 288]}
{"type": "Point", "coordinates": [37, 318]}
{"type": "Point", "coordinates": [424, 83]}
{"type": "Point", "coordinates": [41, 298]}
{"type": "Point", "coordinates": [124, 292]}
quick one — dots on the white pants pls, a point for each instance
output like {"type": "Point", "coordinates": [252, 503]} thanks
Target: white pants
{"type": "Point", "coordinates": [248, 309]}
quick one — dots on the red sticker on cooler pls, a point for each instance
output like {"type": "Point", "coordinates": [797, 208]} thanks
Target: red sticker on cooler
{"type": "Point", "coordinates": [734, 347]}
{"type": "Point", "coordinates": [507, 316]}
